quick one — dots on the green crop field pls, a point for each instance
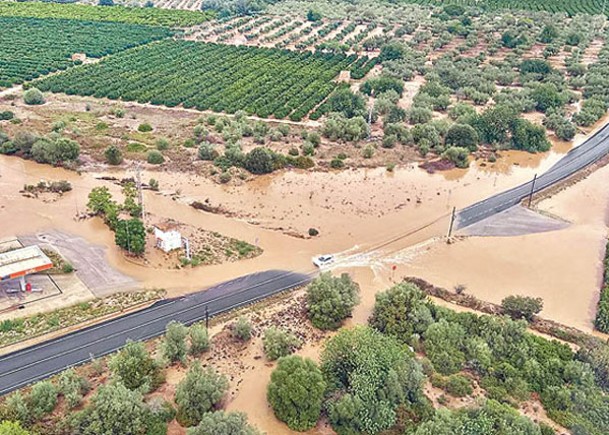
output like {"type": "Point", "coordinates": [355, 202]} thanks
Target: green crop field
{"type": "Point", "coordinates": [222, 78]}
{"type": "Point", "coordinates": [120, 14]}
{"type": "Point", "coordinates": [36, 47]}
{"type": "Point", "coordinates": [571, 7]}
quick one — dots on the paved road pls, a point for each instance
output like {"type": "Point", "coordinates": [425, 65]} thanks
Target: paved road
{"type": "Point", "coordinates": [595, 147]}
{"type": "Point", "coordinates": [40, 361]}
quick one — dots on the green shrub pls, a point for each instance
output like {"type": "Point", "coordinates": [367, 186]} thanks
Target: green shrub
{"type": "Point", "coordinates": [72, 387]}
{"type": "Point", "coordinates": [225, 177]}
{"type": "Point", "coordinates": [337, 163]}
{"type": "Point", "coordinates": [368, 152]}
{"type": "Point", "coordinates": [135, 368]}
{"type": "Point", "coordinates": [207, 152]}
{"type": "Point", "coordinates": [330, 300]}
{"type": "Point", "coordinates": [522, 307]}
{"type": "Point", "coordinates": [277, 343]}
{"type": "Point", "coordinates": [601, 321]}
{"type": "Point", "coordinates": [6, 115]}
{"type": "Point", "coordinates": [162, 144]}
{"type": "Point", "coordinates": [198, 393]}
{"type": "Point", "coordinates": [144, 128]}
{"type": "Point", "coordinates": [113, 155]}
{"type": "Point", "coordinates": [223, 423]}
{"type": "Point", "coordinates": [173, 346]}
{"type": "Point", "coordinates": [242, 329]}
{"type": "Point", "coordinates": [154, 157]}
{"type": "Point", "coordinates": [33, 97]}
{"type": "Point", "coordinates": [296, 391]}
{"type": "Point", "coordinates": [42, 399]}
{"type": "Point", "coordinates": [199, 339]}
{"type": "Point", "coordinates": [459, 386]}
{"type": "Point", "coordinates": [459, 156]}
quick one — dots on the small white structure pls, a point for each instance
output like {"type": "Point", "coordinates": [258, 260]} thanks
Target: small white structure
{"type": "Point", "coordinates": [167, 237]}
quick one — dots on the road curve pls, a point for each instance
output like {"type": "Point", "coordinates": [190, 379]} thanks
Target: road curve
{"type": "Point", "coordinates": [593, 149]}
{"type": "Point", "coordinates": [23, 367]}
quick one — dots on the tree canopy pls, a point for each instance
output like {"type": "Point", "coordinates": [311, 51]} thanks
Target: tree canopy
{"type": "Point", "coordinates": [330, 300]}
{"type": "Point", "coordinates": [296, 391]}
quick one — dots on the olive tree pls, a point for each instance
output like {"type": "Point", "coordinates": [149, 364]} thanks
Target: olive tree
{"type": "Point", "coordinates": [522, 307]}
{"type": "Point", "coordinates": [33, 97]}
{"type": "Point", "coordinates": [296, 392]}
{"type": "Point", "coordinates": [174, 346]}
{"type": "Point", "coordinates": [223, 423]}
{"type": "Point", "coordinates": [277, 343]}
{"type": "Point", "coordinates": [134, 367]}
{"type": "Point", "coordinates": [199, 392]}
{"type": "Point", "coordinates": [330, 300]}
{"type": "Point", "coordinates": [369, 375]}
{"type": "Point", "coordinates": [114, 409]}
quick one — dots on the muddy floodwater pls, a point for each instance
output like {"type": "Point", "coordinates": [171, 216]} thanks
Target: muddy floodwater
{"type": "Point", "coordinates": [356, 211]}
{"type": "Point", "coordinates": [370, 218]}
{"type": "Point", "coordinates": [381, 225]}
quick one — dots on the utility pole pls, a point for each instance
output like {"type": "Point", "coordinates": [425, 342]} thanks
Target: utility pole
{"type": "Point", "coordinates": [532, 190]}
{"type": "Point", "coordinates": [140, 194]}
{"type": "Point", "coordinates": [452, 221]}
{"type": "Point", "coordinates": [206, 317]}
{"type": "Point", "coordinates": [128, 237]}
{"type": "Point", "coordinates": [370, 114]}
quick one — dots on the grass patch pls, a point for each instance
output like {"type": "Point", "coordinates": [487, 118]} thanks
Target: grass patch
{"type": "Point", "coordinates": [15, 330]}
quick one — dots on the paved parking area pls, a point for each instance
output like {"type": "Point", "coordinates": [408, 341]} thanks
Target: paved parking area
{"type": "Point", "coordinates": [89, 260]}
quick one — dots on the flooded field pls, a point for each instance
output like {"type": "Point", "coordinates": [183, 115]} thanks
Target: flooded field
{"type": "Point", "coordinates": [372, 219]}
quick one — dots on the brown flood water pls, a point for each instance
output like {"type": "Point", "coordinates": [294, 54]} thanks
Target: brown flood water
{"type": "Point", "coordinates": [369, 217]}
{"type": "Point", "coordinates": [356, 211]}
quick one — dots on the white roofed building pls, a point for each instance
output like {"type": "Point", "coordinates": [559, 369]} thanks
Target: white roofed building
{"type": "Point", "coordinates": [167, 237]}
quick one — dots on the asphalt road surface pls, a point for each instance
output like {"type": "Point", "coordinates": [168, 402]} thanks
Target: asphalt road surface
{"type": "Point", "coordinates": [596, 147]}
{"type": "Point", "coordinates": [40, 361]}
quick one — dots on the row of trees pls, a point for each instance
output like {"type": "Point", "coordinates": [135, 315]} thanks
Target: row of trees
{"type": "Point", "coordinates": [264, 82]}
{"type": "Point", "coordinates": [36, 47]}
{"type": "Point", "coordinates": [130, 233]}
{"type": "Point", "coordinates": [75, 13]}
{"type": "Point", "coordinates": [53, 149]}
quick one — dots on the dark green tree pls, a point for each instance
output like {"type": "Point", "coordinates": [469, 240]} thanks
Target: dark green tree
{"type": "Point", "coordinates": [260, 161]}
{"type": "Point", "coordinates": [401, 311]}
{"type": "Point", "coordinates": [134, 367]}
{"type": "Point", "coordinates": [346, 102]}
{"type": "Point", "coordinates": [223, 423]}
{"type": "Point", "coordinates": [330, 300]}
{"type": "Point", "coordinates": [113, 155]}
{"type": "Point", "coordinates": [131, 236]}
{"type": "Point", "coordinates": [529, 137]}
{"type": "Point", "coordinates": [522, 307]}
{"type": "Point", "coordinates": [462, 135]}
{"type": "Point", "coordinates": [198, 393]}
{"type": "Point", "coordinates": [296, 392]}
{"type": "Point", "coordinates": [369, 376]}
